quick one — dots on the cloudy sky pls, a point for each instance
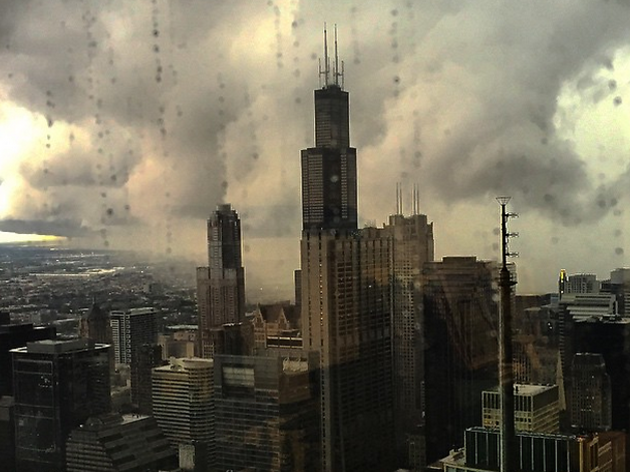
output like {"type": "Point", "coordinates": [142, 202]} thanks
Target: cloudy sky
{"type": "Point", "coordinates": [123, 124]}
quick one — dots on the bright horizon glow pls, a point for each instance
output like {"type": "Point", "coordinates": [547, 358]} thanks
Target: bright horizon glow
{"type": "Point", "coordinates": [24, 238]}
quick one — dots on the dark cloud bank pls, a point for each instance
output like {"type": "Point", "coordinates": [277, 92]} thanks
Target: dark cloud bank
{"type": "Point", "coordinates": [168, 108]}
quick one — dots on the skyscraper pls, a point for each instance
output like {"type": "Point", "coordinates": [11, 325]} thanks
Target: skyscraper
{"type": "Point", "coordinates": [329, 170]}
{"type": "Point", "coordinates": [590, 406]}
{"type": "Point", "coordinates": [221, 285]}
{"type": "Point", "coordinates": [11, 337]}
{"type": "Point", "coordinates": [412, 239]}
{"type": "Point", "coordinates": [58, 385]}
{"type": "Point", "coordinates": [135, 343]}
{"type": "Point", "coordinates": [345, 295]}
{"type": "Point", "coordinates": [131, 329]}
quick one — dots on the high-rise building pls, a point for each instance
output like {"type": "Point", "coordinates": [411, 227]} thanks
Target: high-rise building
{"type": "Point", "coordinates": [413, 245]}
{"type": "Point", "coordinates": [11, 337]}
{"type": "Point", "coordinates": [144, 359]}
{"type": "Point", "coordinates": [115, 443]}
{"type": "Point", "coordinates": [131, 329]}
{"type": "Point", "coordinates": [58, 385]}
{"type": "Point", "coordinates": [461, 347]}
{"type": "Point", "coordinates": [266, 414]}
{"type": "Point", "coordinates": [183, 406]}
{"type": "Point", "coordinates": [590, 406]}
{"type": "Point", "coordinates": [536, 408]}
{"type": "Point", "coordinates": [134, 332]}
{"type": "Point", "coordinates": [221, 285]}
{"type": "Point", "coordinates": [345, 296]}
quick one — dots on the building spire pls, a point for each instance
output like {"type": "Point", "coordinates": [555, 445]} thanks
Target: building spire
{"type": "Point", "coordinates": [325, 70]}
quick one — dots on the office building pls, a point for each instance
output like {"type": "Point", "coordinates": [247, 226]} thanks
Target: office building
{"type": "Point", "coordinates": [345, 296]}
{"type": "Point", "coordinates": [266, 414]}
{"type": "Point", "coordinates": [7, 433]}
{"type": "Point", "coordinates": [539, 452]}
{"type": "Point", "coordinates": [461, 348]}
{"type": "Point", "coordinates": [581, 283]}
{"type": "Point", "coordinates": [536, 408]}
{"type": "Point", "coordinates": [115, 443]}
{"type": "Point", "coordinates": [221, 285]}
{"type": "Point", "coordinates": [183, 407]}
{"type": "Point", "coordinates": [134, 333]}
{"type": "Point", "coordinates": [11, 337]}
{"type": "Point", "coordinates": [131, 329]}
{"type": "Point", "coordinates": [412, 239]}
{"type": "Point", "coordinates": [58, 386]}
{"type": "Point", "coordinates": [590, 405]}
{"type": "Point", "coordinates": [145, 359]}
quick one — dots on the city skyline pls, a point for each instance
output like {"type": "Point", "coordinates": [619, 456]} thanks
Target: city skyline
{"type": "Point", "coordinates": [466, 101]}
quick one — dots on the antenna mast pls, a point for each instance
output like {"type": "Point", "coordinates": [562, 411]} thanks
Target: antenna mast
{"type": "Point", "coordinates": [326, 61]}
{"type": "Point", "coordinates": [336, 72]}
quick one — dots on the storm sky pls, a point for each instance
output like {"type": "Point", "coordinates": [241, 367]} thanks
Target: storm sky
{"type": "Point", "coordinates": [123, 124]}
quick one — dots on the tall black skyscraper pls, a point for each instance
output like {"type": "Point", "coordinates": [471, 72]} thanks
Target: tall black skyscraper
{"type": "Point", "coordinates": [221, 285]}
{"type": "Point", "coordinates": [57, 385]}
{"type": "Point", "coordinates": [345, 296]}
{"type": "Point", "coordinates": [329, 170]}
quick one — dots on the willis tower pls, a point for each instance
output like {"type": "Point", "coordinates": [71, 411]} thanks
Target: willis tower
{"type": "Point", "coordinates": [345, 295]}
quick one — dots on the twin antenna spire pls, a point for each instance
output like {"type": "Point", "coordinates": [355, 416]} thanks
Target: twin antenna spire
{"type": "Point", "coordinates": [326, 72]}
{"type": "Point", "coordinates": [415, 199]}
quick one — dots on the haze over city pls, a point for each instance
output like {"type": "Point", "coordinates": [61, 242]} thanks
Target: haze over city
{"type": "Point", "coordinates": [124, 125]}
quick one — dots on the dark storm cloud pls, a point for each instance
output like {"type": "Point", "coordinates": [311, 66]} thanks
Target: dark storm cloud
{"type": "Point", "coordinates": [178, 106]}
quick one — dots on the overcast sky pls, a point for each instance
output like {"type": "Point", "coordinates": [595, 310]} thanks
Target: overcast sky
{"type": "Point", "coordinates": [123, 124]}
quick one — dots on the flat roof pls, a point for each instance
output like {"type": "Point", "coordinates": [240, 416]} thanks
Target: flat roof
{"type": "Point", "coordinates": [528, 389]}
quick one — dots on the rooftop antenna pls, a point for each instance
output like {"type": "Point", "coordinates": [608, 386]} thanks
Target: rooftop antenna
{"type": "Point", "coordinates": [319, 71]}
{"type": "Point", "coordinates": [397, 199]}
{"type": "Point", "coordinates": [402, 207]}
{"type": "Point", "coordinates": [342, 75]}
{"type": "Point", "coordinates": [509, 446]}
{"type": "Point", "coordinates": [414, 206]}
{"type": "Point", "coordinates": [326, 61]}
{"type": "Point", "coordinates": [336, 72]}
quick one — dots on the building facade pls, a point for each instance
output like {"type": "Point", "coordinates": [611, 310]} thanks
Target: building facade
{"type": "Point", "coordinates": [590, 405]}
{"type": "Point", "coordinates": [13, 336]}
{"type": "Point", "coordinates": [461, 347]}
{"type": "Point", "coordinates": [266, 414]}
{"type": "Point", "coordinates": [183, 406]}
{"type": "Point", "coordinates": [58, 385]}
{"type": "Point", "coordinates": [412, 247]}
{"type": "Point", "coordinates": [536, 408]}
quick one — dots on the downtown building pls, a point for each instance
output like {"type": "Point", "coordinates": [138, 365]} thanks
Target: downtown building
{"type": "Point", "coordinates": [460, 324]}
{"type": "Point", "coordinates": [58, 385]}
{"type": "Point", "coordinates": [183, 406]}
{"type": "Point", "coordinates": [345, 297]}
{"type": "Point", "coordinates": [221, 285]}
{"type": "Point", "coordinates": [115, 443]}
{"type": "Point", "coordinates": [135, 333]}
{"type": "Point", "coordinates": [266, 409]}
{"type": "Point", "coordinates": [412, 247]}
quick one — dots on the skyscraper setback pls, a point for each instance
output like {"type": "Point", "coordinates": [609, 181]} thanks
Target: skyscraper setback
{"type": "Point", "coordinates": [221, 285]}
